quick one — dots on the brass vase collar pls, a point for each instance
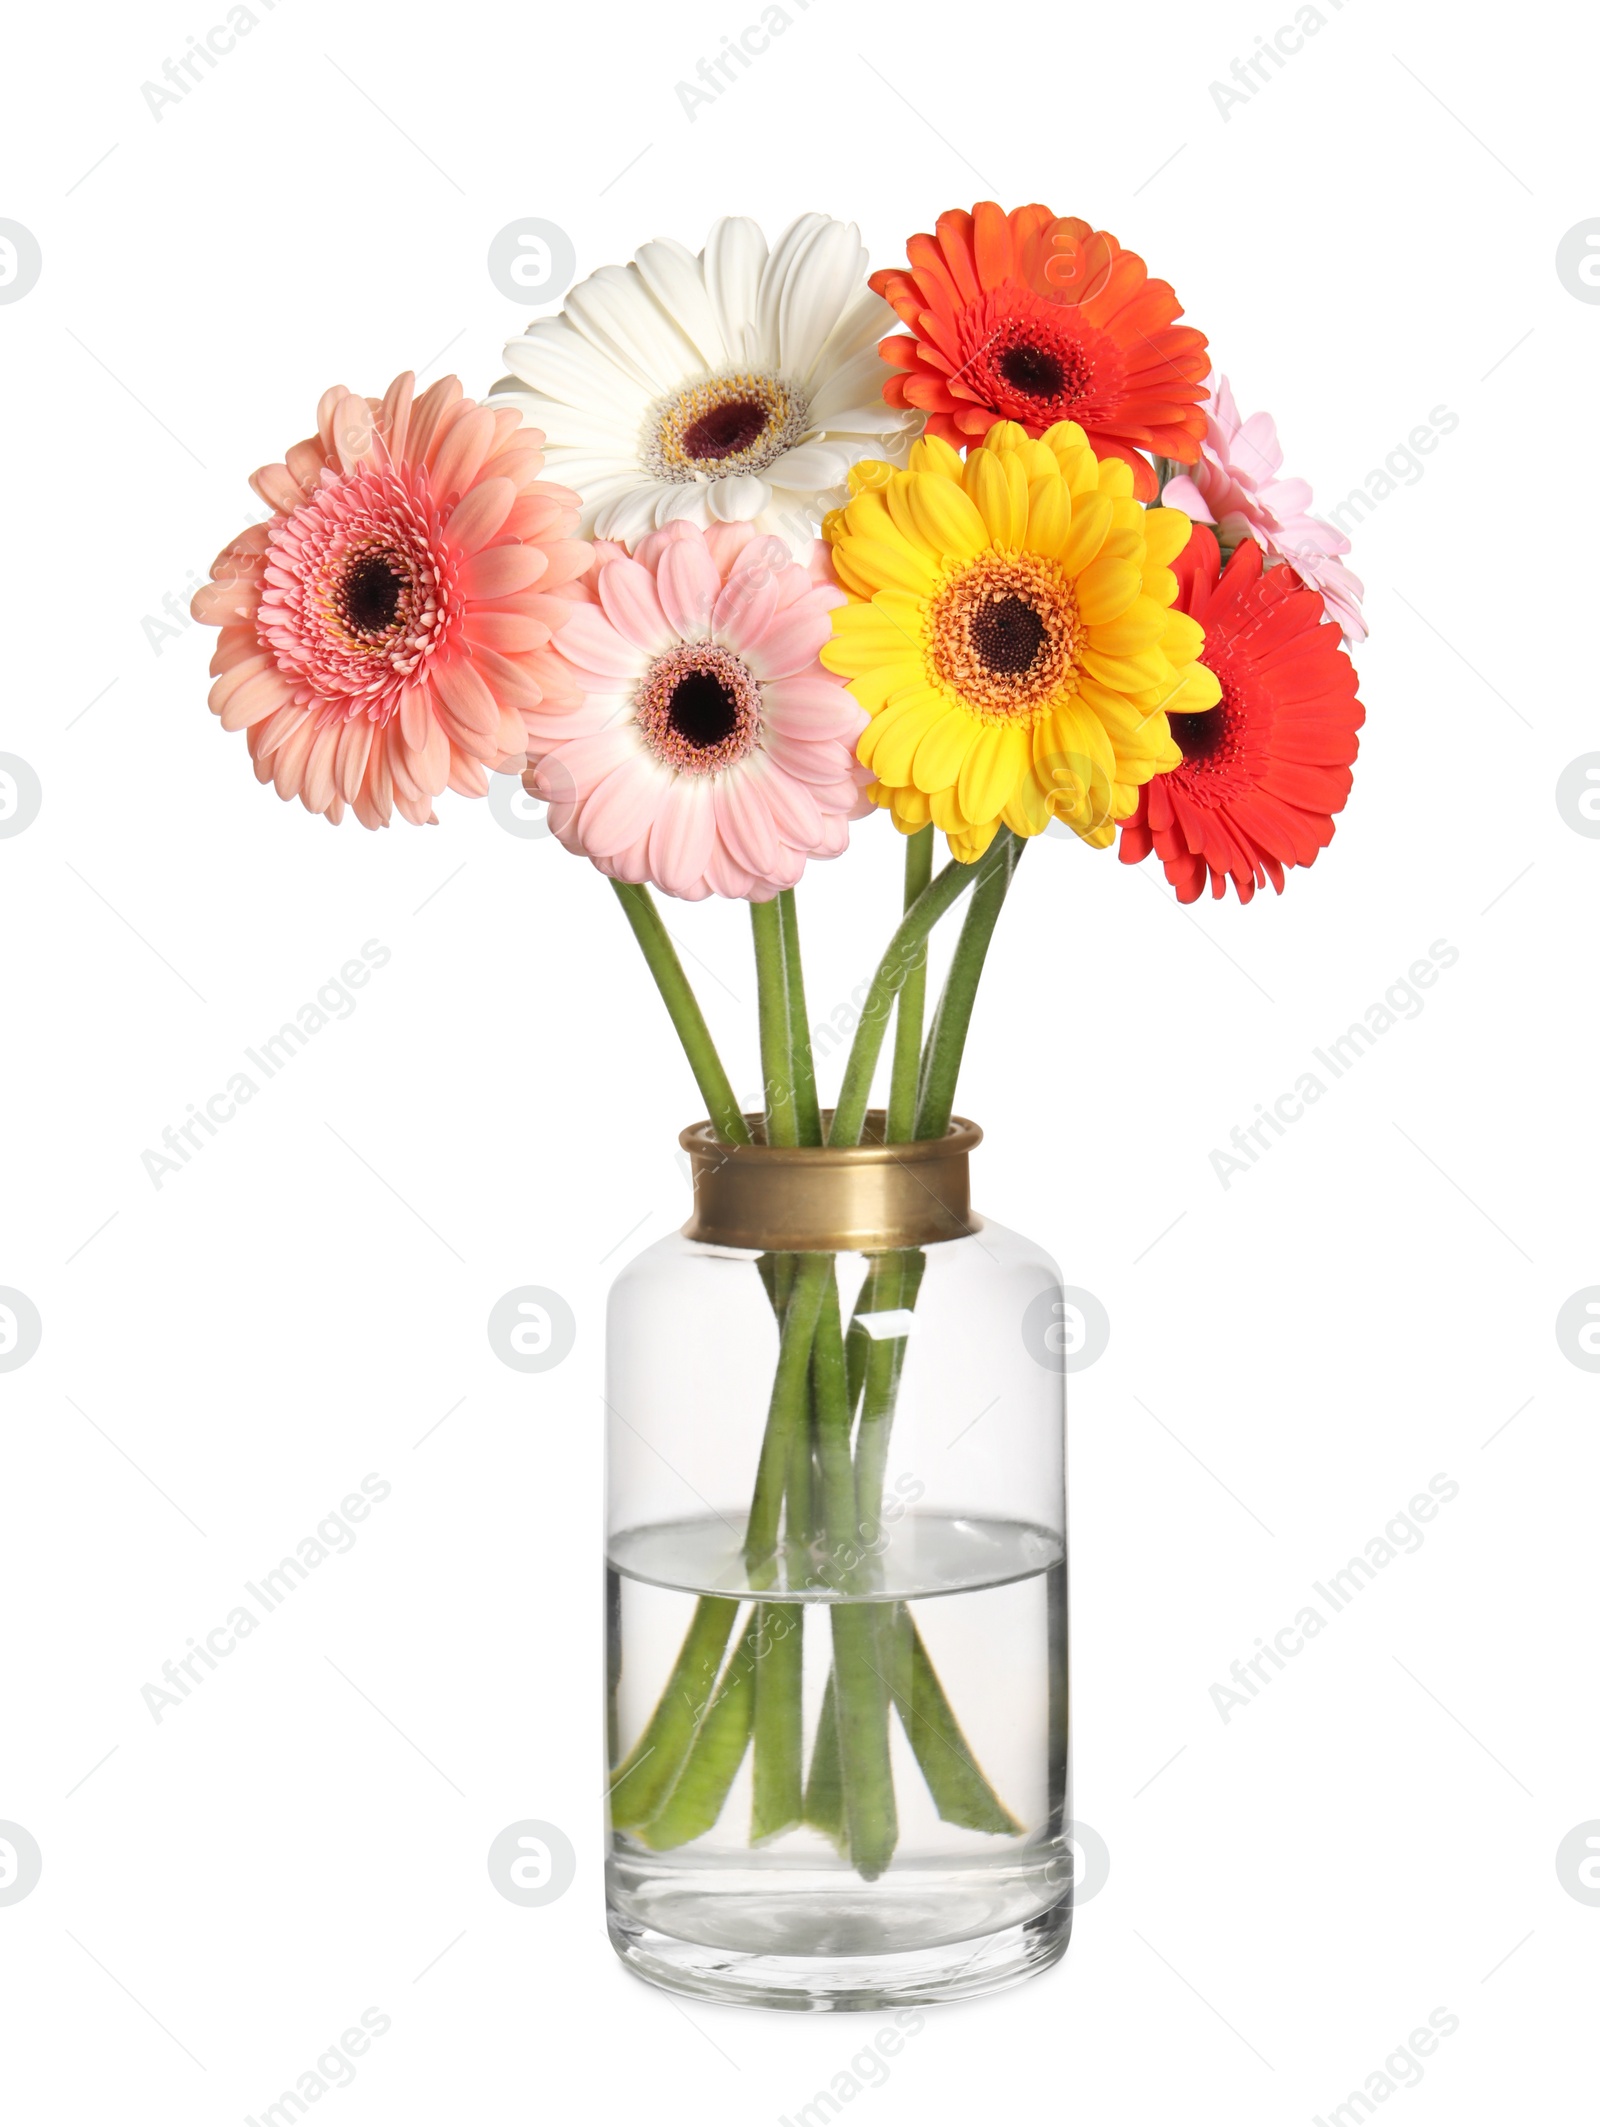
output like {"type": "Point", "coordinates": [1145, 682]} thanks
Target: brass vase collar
{"type": "Point", "coordinates": [865, 1197]}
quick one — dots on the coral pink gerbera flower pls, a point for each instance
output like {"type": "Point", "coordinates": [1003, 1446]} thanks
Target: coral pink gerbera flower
{"type": "Point", "coordinates": [1237, 486]}
{"type": "Point", "coordinates": [386, 630]}
{"type": "Point", "coordinates": [711, 753]}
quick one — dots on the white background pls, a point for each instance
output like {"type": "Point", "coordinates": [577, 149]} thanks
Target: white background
{"type": "Point", "coordinates": [1292, 1891]}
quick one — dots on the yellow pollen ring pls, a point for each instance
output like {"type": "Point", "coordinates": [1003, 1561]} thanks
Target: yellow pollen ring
{"type": "Point", "coordinates": [1004, 635]}
{"type": "Point", "coordinates": [734, 423]}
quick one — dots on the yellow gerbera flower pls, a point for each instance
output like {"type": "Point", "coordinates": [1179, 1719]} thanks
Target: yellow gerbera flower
{"type": "Point", "coordinates": [1010, 634]}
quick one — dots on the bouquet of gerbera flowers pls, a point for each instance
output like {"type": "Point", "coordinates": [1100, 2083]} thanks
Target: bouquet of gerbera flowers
{"type": "Point", "coordinates": [726, 564]}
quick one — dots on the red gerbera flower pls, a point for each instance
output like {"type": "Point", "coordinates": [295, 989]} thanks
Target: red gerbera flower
{"type": "Point", "coordinates": [1263, 772]}
{"type": "Point", "coordinates": [1036, 318]}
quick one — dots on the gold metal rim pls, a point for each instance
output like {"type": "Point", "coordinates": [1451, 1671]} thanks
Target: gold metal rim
{"type": "Point", "coordinates": [865, 1197]}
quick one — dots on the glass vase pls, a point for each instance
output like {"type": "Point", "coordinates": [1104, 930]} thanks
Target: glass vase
{"type": "Point", "coordinates": [837, 1727]}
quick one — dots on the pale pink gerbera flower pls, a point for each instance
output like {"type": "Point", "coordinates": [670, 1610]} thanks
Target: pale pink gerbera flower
{"type": "Point", "coordinates": [385, 632]}
{"type": "Point", "coordinates": [1236, 487]}
{"type": "Point", "coordinates": [711, 754]}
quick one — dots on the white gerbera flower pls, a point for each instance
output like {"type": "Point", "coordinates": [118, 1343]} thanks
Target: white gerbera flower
{"type": "Point", "coordinates": [739, 386]}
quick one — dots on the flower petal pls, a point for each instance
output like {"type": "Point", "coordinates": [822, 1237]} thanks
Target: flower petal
{"type": "Point", "coordinates": [589, 640]}
{"type": "Point", "coordinates": [683, 833]}
{"type": "Point", "coordinates": [479, 515]}
{"type": "Point", "coordinates": [689, 586]}
{"type": "Point", "coordinates": [628, 595]}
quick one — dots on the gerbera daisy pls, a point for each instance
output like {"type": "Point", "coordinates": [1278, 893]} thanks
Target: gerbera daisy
{"type": "Point", "coordinates": [384, 631]}
{"type": "Point", "coordinates": [736, 387]}
{"type": "Point", "coordinates": [1009, 634]}
{"type": "Point", "coordinates": [710, 754]}
{"type": "Point", "coordinates": [1264, 771]}
{"type": "Point", "coordinates": [1038, 318]}
{"type": "Point", "coordinates": [1238, 487]}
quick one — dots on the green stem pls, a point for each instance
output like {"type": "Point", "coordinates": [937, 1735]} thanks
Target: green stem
{"type": "Point", "coordinates": [913, 996]}
{"type": "Point", "coordinates": [836, 1472]}
{"type": "Point", "coordinates": [720, 1743]}
{"type": "Point", "coordinates": [778, 1722]}
{"type": "Point", "coordinates": [657, 1758]}
{"type": "Point", "coordinates": [860, 1687]}
{"type": "Point", "coordinates": [948, 1038]}
{"type": "Point", "coordinates": [900, 1281]}
{"type": "Point", "coordinates": [684, 1011]}
{"type": "Point", "coordinates": [955, 1780]}
{"type": "Point", "coordinates": [903, 951]}
{"type": "Point", "coordinates": [799, 1523]}
{"type": "Point", "coordinates": [857, 1344]}
{"type": "Point", "coordinates": [787, 1408]}
{"type": "Point", "coordinates": [802, 1065]}
{"type": "Point", "coordinates": [863, 1714]}
{"type": "Point", "coordinates": [776, 1272]}
{"type": "Point", "coordinates": [824, 1803]}
{"type": "Point", "coordinates": [772, 994]}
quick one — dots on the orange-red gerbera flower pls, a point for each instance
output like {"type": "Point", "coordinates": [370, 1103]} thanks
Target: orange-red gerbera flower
{"type": "Point", "coordinates": [1263, 772]}
{"type": "Point", "coordinates": [1037, 318]}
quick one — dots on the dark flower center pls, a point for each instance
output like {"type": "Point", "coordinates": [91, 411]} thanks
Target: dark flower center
{"type": "Point", "coordinates": [725, 429]}
{"type": "Point", "coordinates": [1201, 737]}
{"type": "Point", "coordinates": [1003, 635]}
{"type": "Point", "coordinates": [1226, 749]}
{"type": "Point", "coordinates": [1033, 370]}
{"type": "Point", "coordinates": [703, 710]}
{"type": "Point", "coordinates": [1043, 367]}
{"type": "Point", "coordinates": [372, 594]}
{"type": "Point", "coordinates": [698, 709]}
{"type": "Point", "coordinates": [734, 422]}
{"type": "Point", "coordinates": [1006, 634]}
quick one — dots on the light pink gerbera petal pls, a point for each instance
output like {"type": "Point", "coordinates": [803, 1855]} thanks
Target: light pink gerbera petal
{"type": "Point", "coordinates": [812, 707]}
{"type": "Point", "coordinates": [568, 774]}
{"type": "Point", "coordinates": [680, 841]}
{"type": "Point", "coordinates": [1181, 493]}
{"type": "Point", "coordinates": [628, 597]}
{"type": "Point", "coordinates": [723, 758]}
{"type": "Point", "coordinates": [689, 585]}
{"type": "Point", "coordinates": [744, 609]}
{"type": "Point", "coordinates": [791, 643]}
{"type": "Point", "coordinates": [820, 764]}
{"type": "Point", "coordinates": [790, 804]}
{"type": "Point", "coordinates": [621, 808]}
{"type": "Point", "coordinates": [1237, 486]}
{"type": "Point", "coordinates": [725, 542]}
{"type": "Point", "coordinates": [593, 644]}
{"type": "Point", "coordinates": [745, 824]}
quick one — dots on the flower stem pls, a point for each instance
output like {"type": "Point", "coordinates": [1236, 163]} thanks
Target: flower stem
{"type": "Point", "coordinates": [861, 1693]}
{"type": "Point", "coordinates": [948, 1039]}
{"type": "Point", "coordinates": [836, 1471]}
{"type": "Point", "coordinates": [857, 1344]}
{"type": "Point", "coordinates": [824, 1801]}
{"type": "Point", "coordinates": [653, 1765]}
{"type": "Point", "coordinates": [720, 1742]}
{"type": "Point", "coordinates": [900, 1280]}
{"type": "Point", "coordinates": [799, 1510]}
{"type": "Point", "coordinates": [772, 994]}
{"type": "Point", "coordinates": [960, 1792]}
{"type": "Point", "coordinates": [903, 951]}
{"type": "Point", "coordinates": [862, 1704]}
{"type": "Point", "coordinates": [687, 1019]}
{"type": "Point", "coordinates": [913, 995]}
{"type": "Point", "coordinates": [786, 1410]}
{"type": "Point", "coordinates": [802, 1065]}
{"type": "Point", "coordinates": [777, 1726]}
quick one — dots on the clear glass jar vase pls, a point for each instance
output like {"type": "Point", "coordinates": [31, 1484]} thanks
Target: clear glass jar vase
{"type": "Point", "coordinates": [837, 1716]}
